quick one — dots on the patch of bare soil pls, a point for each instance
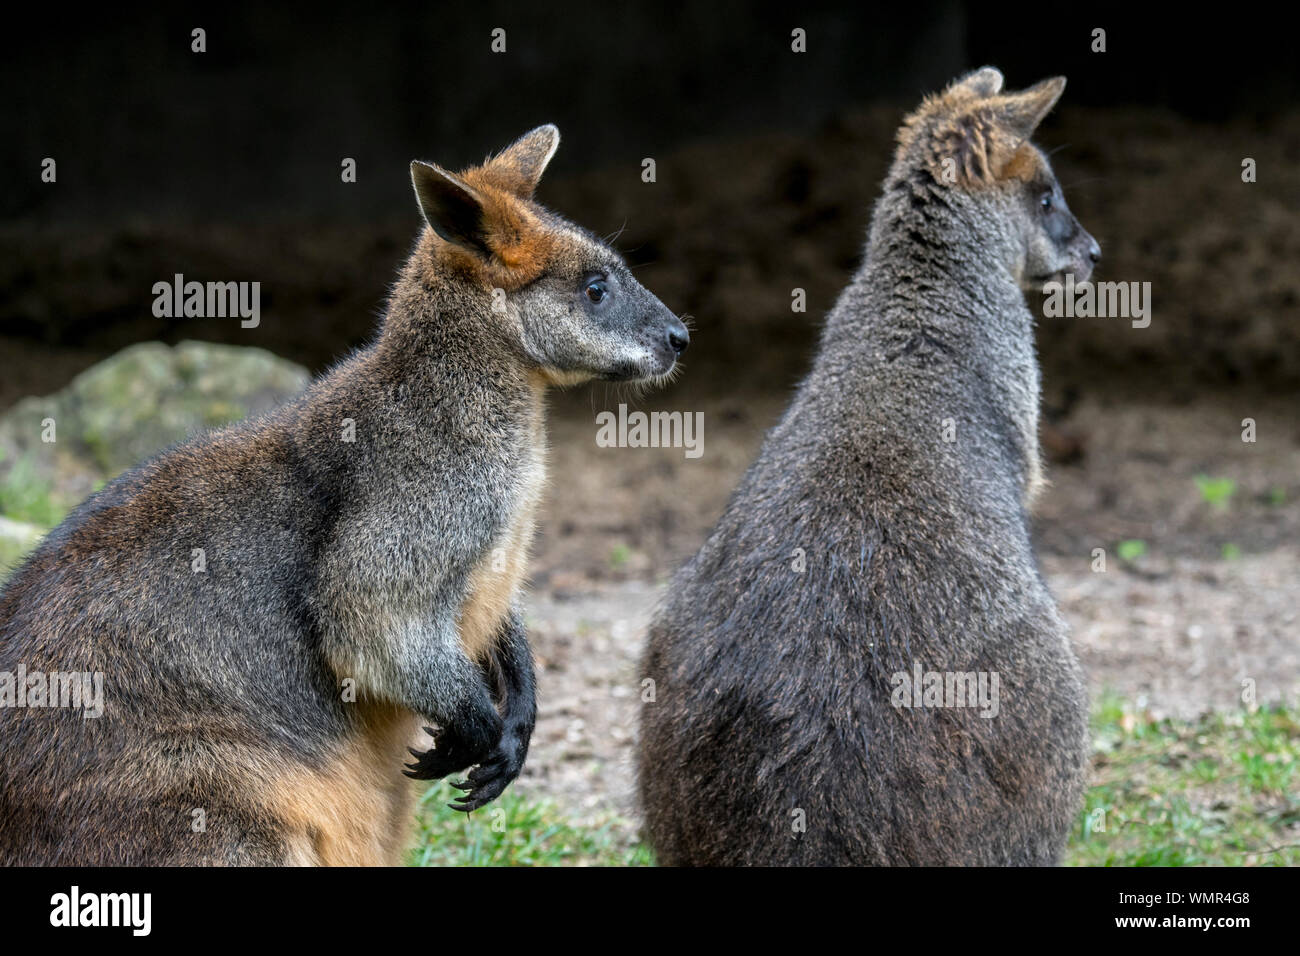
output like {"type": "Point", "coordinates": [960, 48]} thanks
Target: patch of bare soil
{"type": "Point", "coordinates": [1213, 602]}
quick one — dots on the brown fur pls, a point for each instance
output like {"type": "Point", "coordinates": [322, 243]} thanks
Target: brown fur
{"type": "Point", "coordinates": [360, 582]}
{"type": "Point", "coordinates": [524, 246]}
{"type": "Point", "coordinates": [981, 135]}
{"type": "Point", "coordinates": [353, 811]}
{"type": "Point", "coordinates": [774, 735]}
{"type": "Point", "coordinates": [1025, 165]}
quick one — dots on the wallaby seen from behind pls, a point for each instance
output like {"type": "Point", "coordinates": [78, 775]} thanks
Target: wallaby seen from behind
{"type": "Point", "coordinates": [279, 607]}
{"type": "Point", "coordinates": [881, 537]}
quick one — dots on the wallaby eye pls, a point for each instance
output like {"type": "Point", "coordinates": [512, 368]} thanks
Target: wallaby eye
{"type": "Point", "coordinates": [1046, 202]}
{"type": "Point", "coordinates": [596, 290]}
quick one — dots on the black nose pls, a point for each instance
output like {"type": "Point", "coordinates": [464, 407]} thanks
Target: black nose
{"type": "Point", "coordinates": [1094, 253]}
{"type": "Point", "coordinates": [678, 337]}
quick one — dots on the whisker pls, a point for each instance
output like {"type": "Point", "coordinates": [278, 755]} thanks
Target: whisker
{"type": "Point", "coordinates": [614, 236]}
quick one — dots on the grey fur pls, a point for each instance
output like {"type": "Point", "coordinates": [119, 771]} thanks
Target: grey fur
{"type": "Point", "coordinates": [327, 559]}
{"type": "Point", "coordinates": [773, 689]}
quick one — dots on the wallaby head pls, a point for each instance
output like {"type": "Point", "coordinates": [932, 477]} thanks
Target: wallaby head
{"type": "Point", "coordinates": [972, 140]}
{"type": "Point", "coordinates": [565, 301]}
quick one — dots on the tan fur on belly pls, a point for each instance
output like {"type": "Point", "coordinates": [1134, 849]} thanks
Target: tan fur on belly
{"type": "Point", "coordinates": [358, 809]}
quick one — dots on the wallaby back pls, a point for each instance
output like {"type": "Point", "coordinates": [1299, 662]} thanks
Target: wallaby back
{"type": "Point", "coordinates": [882, 533]}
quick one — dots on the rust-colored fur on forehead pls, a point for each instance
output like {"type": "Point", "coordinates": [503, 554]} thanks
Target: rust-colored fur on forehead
{"type": "Point", "coordinates": [523, 243]}
{"type": "Point", "coordinates": [1026, 165]}
{"type": "Point", "coordinates": [485, 216]}
{"type": "Point", "coordinates": [967, 148]}
{"type": "Point", "coordinates": [972, 135]}
{"type": "Point", "coordinates": [935, 111]}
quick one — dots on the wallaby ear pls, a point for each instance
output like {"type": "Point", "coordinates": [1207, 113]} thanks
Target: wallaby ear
{"type": "Point", "coordinates": [986, 81]}
{"type": "Point", "coordinates": [1020, 113]}
{"type": "Point", "coordinates": [453, 210]}
{"type": "Point", "coordinates": [520, 165]}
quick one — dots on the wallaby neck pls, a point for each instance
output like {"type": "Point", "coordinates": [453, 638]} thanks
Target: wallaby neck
{"type": "Point", "coordinates": [440, 376]}
{"type": "Point", "coordinates": [936, 291]}
{"type": "Point", "coordinates": [939, 263]}
{"type": "Point", "coordinates": [444, 317]}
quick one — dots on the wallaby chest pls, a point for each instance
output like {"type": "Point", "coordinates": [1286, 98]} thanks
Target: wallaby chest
{"type": "Point", "coordinates": [501, 569]}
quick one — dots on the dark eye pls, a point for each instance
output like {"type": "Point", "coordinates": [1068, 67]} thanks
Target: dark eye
{"type": "Point", "coordinates": [1046, 202]}
{"type": "Point", "coordinates": [596, 290]}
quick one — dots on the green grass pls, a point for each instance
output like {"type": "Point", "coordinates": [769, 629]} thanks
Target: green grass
{"type": "Point", "coordinates": [1216, 491]}
{"type": "Point", "coordinates": [1217, 791]}
{"type": "Point", "coordinates": [1131, 550]}
{"type": "Point", "coordinates": [25, 496]}
{"type": "Point", "coordinates": [619, 556]}
{"type": "Point", "coordinates": [517, 831]}
{"type": "Point", "coordinates": [12, 554]}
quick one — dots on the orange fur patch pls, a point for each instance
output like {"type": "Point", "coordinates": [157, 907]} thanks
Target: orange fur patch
{"type": "Point", "coordinates": [1025, 165]}
{"type": "Point", "coordinates": [522, 242]}
{"type": "Point", "coordinates": [357, 810]}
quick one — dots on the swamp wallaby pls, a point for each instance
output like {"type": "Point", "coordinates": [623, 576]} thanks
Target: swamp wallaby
{"type": "Point", "coordinates": [873, 571]}
{"type": "Point", "coordinates": [277, 608]}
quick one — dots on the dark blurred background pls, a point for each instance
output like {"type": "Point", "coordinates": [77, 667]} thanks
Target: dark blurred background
{"type": "Point", "coordinates": [226, 164]}
{"type": "Point", "coordinates": [253, 128]}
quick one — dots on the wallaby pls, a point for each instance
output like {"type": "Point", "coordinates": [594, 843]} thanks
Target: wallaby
{"type": "Point", "coordinates": [880, 541]}
{"type": "Point", "coordinates": [277, 608]}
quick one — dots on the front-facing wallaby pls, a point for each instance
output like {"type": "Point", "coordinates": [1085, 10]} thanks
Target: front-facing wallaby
{"type": "Point", "coordinates": [277, 608]}
{"type": "Point", "coordinates": [863, 664]}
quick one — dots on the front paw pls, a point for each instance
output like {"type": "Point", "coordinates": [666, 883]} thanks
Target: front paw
{"type": "Point", "coordinates": [490, 778]}
{"type": "Point", "coordinates": [464, 742]}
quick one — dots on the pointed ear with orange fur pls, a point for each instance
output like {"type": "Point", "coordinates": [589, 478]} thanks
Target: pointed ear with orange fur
{"type": "Point", "coordinates": [451, 207]}
{"type": "Point", "coordinates": [1020, 113]}
{"type": "Point", "coordinates": [520, 165]}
